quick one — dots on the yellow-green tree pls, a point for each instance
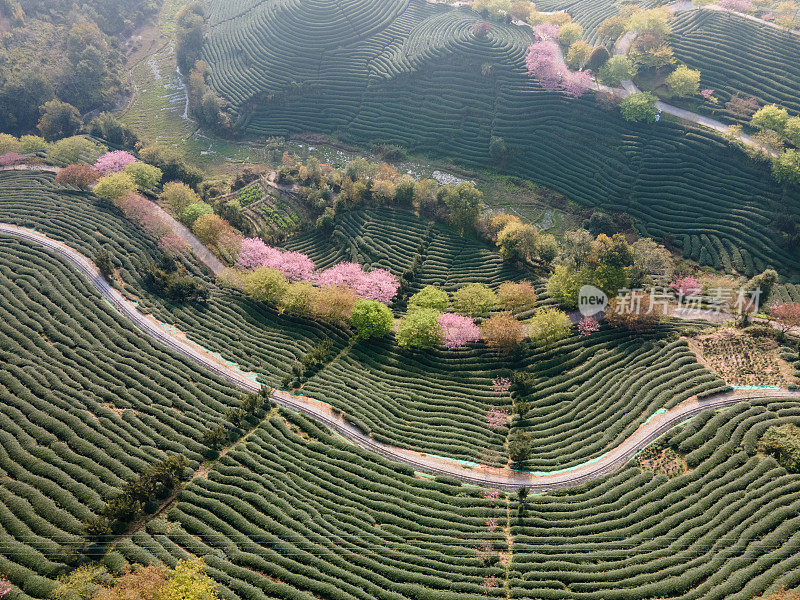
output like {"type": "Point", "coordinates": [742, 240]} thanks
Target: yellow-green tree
{"type": "Point", "coordinates": [189, 581]}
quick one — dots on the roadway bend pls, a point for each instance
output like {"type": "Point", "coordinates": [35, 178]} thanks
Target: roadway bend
{"type": "Point", "coordinates": [481, 475]}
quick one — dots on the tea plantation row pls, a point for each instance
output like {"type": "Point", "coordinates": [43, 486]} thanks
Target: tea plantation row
{"type": "Point", "coordinates": [294, 512]}
{"type": "Point", "coordinates": [425, 82]}
{"type": "Point", "coordinates": [86, 402]}
{"type": "Point", "coordinates": [738, 56]}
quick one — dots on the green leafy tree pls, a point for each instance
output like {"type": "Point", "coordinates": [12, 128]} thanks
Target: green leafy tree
{"type": "Point", "coordinates": [791, 129]}
{"type": "Point", "coordinates": [372, 319]}
{"type": "Point", "coordinates": [59, 120]}
{"type": "Point", "coordinates": [114, 186]}
{"type": "Point", "coordinates": [598, 58]}
{"type": "Point", "coordinates": [73, 150]}
{"type": "Point", "coordinates": [263, 284]}
{"type": "Point", "coordinates": [569, 33]}
{"type": "Point", "coordinates": [430, 297]}
{"type": "Point", "coordinates": [578, 54]}
{"type": "Point", "coordinates": [771, 116]}
{"type": "Point", "coordinates": [611, 29]}
{"type": "Point", "coordinates": [616, 70]}
{"type": "Point", "coordinates": [520, 444]}
{"type": "Point", "coordinates": [463, 201]}
{"type": "Point", "coordinates": [189, 581]}
{"type": "Point", "coordinates": [640, 106]}
{"type": "Point", "coordinates": [419, 329]}
{"type": "Point", "coordinates": [146, 176]}
{"type": "Point", "coordinates": [563, 287]}
{"type": "Point", "coordinates": [176, 196]}
{"type": "Point", "coordinates": [81, 584]}
{"type": "Point", "coordinates": [548, 326]}
{"type": "Point", "coordinates": [474, 300]}
{"type": "Point", "coordinates": [683, 81]}
{"type": "Point", "coordinates": [786, 167]}
{"type": "Point", "coordinates": [518, 241]}
{"type": "Point", "coordinates": [655, 21]}
{"type": "Point", "coordinates": [194, 211]}
{"type": "Point", "coordinates": [102, 260]}
{"type": "Point", "coordinates": [498, 151]}
{"type": "Point", "coordinates": [404, 191]}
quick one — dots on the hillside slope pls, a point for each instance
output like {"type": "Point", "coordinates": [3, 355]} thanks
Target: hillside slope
{"type": "Point", "coordinates": [416, 76]}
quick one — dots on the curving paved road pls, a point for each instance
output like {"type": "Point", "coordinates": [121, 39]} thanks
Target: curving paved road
{"type": "Point", "coordinates": [322, 412]}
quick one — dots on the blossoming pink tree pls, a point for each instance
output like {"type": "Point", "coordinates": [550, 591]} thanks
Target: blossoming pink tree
{"type": "Point", "coordinates": [545, 62]}
{"type": "Point", "coordinates": [686, 285]}
{"type": "Point", "coordinates": [497, 418]}
{"type": "Point", "coordinates": [9, 159]}
{"type": "Point", "coordinates": [114, 162]}
{"type": "Point", "coordinates": [736, 5]}
{"type": "Point", "coordinates": [5, 586]}
{"type": "Point", "coordinates": [294, 265]}
{"type": "Point", "coordinates": [377, 284]}
{"type": "Point", "coordinates": [456, 331]}
{"type": "Point", "coordinates": [501, 384]}
{"type": "Point", "coordinates": [588, 326]}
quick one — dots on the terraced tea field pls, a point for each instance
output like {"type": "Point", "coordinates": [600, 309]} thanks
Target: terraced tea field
{"type": "Point", "coordinates": [681, 184]}
{"type": "Point", "coordinates": [87, 402]}
{"type": "Point", "coordinates": [738, 56]}
{"type": "Point", "coordinates": [295, 512]}
{"type": "Point", "coordinates": [393, 239]}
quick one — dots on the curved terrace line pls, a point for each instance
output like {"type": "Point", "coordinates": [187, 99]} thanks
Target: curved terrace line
{"type": "Point", "coordinates": [504, 478]}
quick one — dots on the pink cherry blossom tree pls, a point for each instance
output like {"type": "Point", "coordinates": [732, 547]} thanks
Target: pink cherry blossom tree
{"type": "Point", "coordinates": [686, 285]}
{"type": "Point", "coordinates": [545, 62]}
{"type": "Point", "coordinates": [588, 326]}
{"type": "Point", "coordinates": [378, 284]}
{"type": "Point", "coordinates": [9, 159]}
{"type": "Point", "coordinates": [172, 245]}
{"type": "Point", "coordinates": [736, 5]}
{"type": "Point", "coordinates": [294, 265]}
{"type": "Point", "coordinates": [491, 523]}
{"type": "Point", "coordinates": [576, 83]}
{"type": "Point", "coordinates": [501, 384]}
{"type": "Point", "coordinates": [707, 93]}
{"type": "Point", "coordinates": [497, 418]}
{"type": "Point", "coordinates": [114, 162]}
{"type": "Point", "coordinates": [456, 331]}
{"type": "Point", "coordinates": [5, 586]}
{"type": "Point", "coordinates": [545, 31]}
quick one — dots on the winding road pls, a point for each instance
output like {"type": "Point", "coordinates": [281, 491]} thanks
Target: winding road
{"type": "Point", "coordinates": [503, 478]}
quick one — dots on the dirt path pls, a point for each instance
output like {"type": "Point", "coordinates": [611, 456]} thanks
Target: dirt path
{"type": "Point", "coordinates": [323, 413]}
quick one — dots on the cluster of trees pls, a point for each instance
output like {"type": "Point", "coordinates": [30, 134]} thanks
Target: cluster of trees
{"type": "Point", "coordinates": [328, 191]}
{"type": "Point", "coordinates": [204, 104]}
{"type": "Point", "coordinates": [250, 410]}
{"type": "Point", "coordinates": [138, 497]}
{"type": "Point", "coordinates": [170, 280]}
{"type": "Point", "coordinates": [544, 59]}
{"type": "Point", "coordinates": [780, 132]}
{"type": "Point", "coordinates": [187, 581]}
{"type": "Point", "coordinates": [608, 263]}
{"type": "Point", "coordinates": [783, 442]}
{"type": "Point", "coordinates": [63, 55]}
{"type": "Point", "coordinates": [426, 324]}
